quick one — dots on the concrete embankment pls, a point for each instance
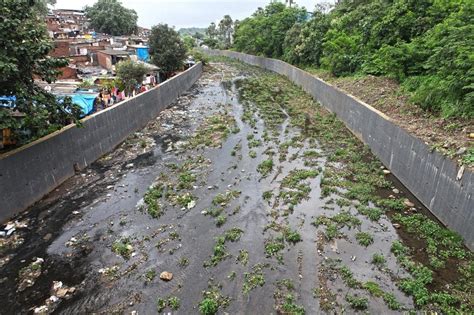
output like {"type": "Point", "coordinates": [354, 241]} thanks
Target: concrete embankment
{"type": "Point", "coordinates": [433, 178]}
{"type": "Point", "coordinates": [32, 171]}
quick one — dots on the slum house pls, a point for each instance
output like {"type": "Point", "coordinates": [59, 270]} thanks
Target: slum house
{"type": "Point", "coordinates": [75, 20]}
{"type": "Point", "coordinates": [109, 58]}
{"type": "Point", "coordinates": [65, 23]}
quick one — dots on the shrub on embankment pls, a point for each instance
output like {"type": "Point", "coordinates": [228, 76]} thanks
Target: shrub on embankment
{"type": "Point", "coordinates": [427, 45]}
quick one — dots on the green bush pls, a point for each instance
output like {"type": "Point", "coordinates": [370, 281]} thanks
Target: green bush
{"type": "Point", "coordinates": [341, 53]}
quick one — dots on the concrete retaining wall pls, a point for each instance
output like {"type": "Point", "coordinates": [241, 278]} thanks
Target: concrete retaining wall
{"type": "Point", "coordinates": [32, 171]}
{"type": "Point", "coordinates": [430, 176]}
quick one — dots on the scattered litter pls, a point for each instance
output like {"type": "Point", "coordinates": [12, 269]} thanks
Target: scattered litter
{"type": "Point", "coordinates": [130, 165]}
{"type": "Point", "coordinates": [386, 172]}
{"type": "Point", "coordinates": [396, 225]}
{"type": "Point", "coordinates": [41, 310]}
{"type": "Point", "coordinates": [191, 204]}
{"type": "Point", "coordinates": [461, 151]}
{"type": "Point", "coordinates": [29, 274]}
{"type": "Point", "coordinates": [460, 173]}
{"type": "Point", "coordinates": [11, 227]}
{"type": "Point", "coordinates": [53, 299]}
{"type": "Point", "coordinates": [408, 203]}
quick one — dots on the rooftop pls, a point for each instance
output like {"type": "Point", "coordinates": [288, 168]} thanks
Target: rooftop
{"type": "Point", "coordinates": [116, 52]}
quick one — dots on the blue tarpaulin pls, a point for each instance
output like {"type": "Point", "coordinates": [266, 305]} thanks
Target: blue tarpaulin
{"type": "Point", "coordinates": [85, 101]}
{"type": "Point", "coordinates": [142, 53]}
{"type": "Point", "coordinates": [7, 101]}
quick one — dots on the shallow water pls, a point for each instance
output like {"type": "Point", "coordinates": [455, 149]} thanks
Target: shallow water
{"type": "Point", "coordinates": [107, 198]}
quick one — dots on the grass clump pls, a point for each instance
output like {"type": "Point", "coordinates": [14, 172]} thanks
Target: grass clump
{"type": "Point", "coordinates": [151, 201]}
{"type": "Point", "coordinates": [357, 303]}
{"type": "Point", "coordinates": [254, 278]}
{"type": "Point", "coordinates": [364, 238]}
{"type": "Point", "coordinates": [293, 186]}
{"type": "Point", "coordinates": [208, 306]}
{"type": "Point", "coordinates": [219, 253]}
{"type": "Point", "coordinates": [289, 307]}
{"type": "Point", "coordinates": [292, 236]}
{"type": "Point", "coordinates": [220, 250]}
{"type": "Point", "coordinates": [150, 275]}
{"type": "Point", "coordinates": [243, 257]}
{"type": "Point", "coordinates": [186, 180]}
{"type": "Point", "coordinates": [348, 277]}
{"type": "Point", "coordinates": [335, 223]}
{"type": "Point", "coordinates": [214, 130]}
{"type": "Point", "coordinates": [273, 248]}
{"type": "Point", "coordinates": [265, 167]}
{"type": "Point", "coordinates": [373, 214]}
{"type": "Point", "coordinates": [297, 176]}
{"type": "Point", "coordinates": [183, 262]}
{"type": "Point", "coordinates": [442, 243]}
{"type": "Point", "coordinates": [212, 300]}
{"type": "Point", "coordinates": [233, 234]}
{"type": "Point", "coordinates": [223, 199]}
{"type": "Point", "coordinates": [378, 260]}
{"type": "Point", "coordinates": [172, 302]}
{"type": "Point", "coordinates": [221, 220]}
{"type": "Point", "coordinates": [267, 195]}
{"type": "Point", "coordinates": [123, 247]}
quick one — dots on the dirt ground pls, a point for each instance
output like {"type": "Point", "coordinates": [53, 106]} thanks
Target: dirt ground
{"type": "Point", "coordinates": [191, 195]}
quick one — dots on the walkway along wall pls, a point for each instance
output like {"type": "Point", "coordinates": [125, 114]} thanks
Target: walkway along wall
{"type": "Point", "coordinates": [431, 177]}
{"type": "Point", "coordinates": [32, 171]}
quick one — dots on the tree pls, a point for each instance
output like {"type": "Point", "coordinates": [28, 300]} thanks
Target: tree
{"type": "Point", "coordinates": [130, 73]}
{"type": "Point", "coordinates": [189, 42]}
{"type": "Point", "coordinates": [264, 33]}
{"type": "Point", "coordinates": [211, 31]}
{"type": "Point", "coordinates": [23, 56]}
{"type": "Point", "coordinates": [226, 31]}
{"type": "Point", "coordinates": [167, 50]}
{"type": "Point", "coordinates": [109, 16]}
{"type": "Point", "coordinates": [309, 47]}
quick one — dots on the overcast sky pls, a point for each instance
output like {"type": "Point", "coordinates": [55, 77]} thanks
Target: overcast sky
{"type": "Point", "coordinates": [186, 13]}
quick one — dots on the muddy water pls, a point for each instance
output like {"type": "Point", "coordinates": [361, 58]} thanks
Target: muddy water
{"type": "Point", "coordinates": [73, 228]}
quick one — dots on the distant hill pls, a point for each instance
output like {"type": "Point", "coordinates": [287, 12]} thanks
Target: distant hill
{"type": "Point", "coordinates": [191, 31]}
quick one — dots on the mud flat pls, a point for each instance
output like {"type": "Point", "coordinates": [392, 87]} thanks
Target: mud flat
{"type": "Point", "coordinates": [245, 197]}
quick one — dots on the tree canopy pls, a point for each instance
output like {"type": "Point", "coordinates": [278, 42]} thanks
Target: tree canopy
{"type": "Point", "coordinates": [427, 45]}
{"type": "Point", "coordinates": [167, 50]}
{"type": "Point", "coordinates": [24, 56]}
{"type": "Point", "coordinates": [109, 16]}
{"type": "Point", "coordinates": [264, 33]}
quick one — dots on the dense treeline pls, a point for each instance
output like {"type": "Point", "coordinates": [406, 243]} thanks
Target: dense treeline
{"type": "Point", "coordinates": [427, 45]}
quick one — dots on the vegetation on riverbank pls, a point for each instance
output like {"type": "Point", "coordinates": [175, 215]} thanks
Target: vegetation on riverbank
{"type": "Point", "coordinates": [426, 45]}
{"type": "Point", "coordinates": [353, 181]}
